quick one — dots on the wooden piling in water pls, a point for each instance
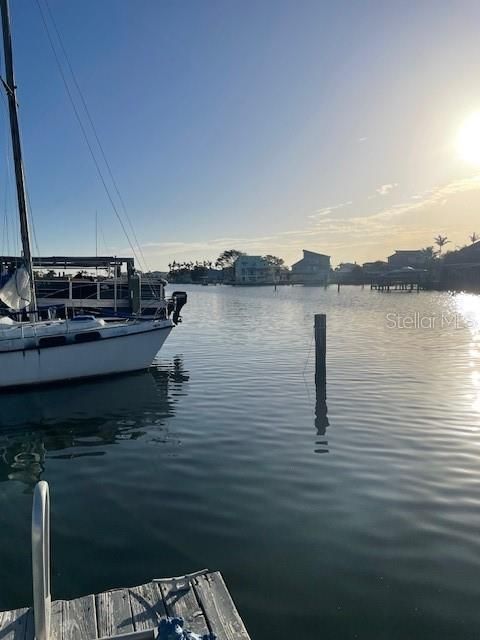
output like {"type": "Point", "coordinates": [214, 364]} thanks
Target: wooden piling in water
{"type": "Point", "coordinates": [320, 327]}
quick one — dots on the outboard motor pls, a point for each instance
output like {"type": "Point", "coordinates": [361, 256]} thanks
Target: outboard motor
{"type": "Point", "coordinates": [175, 305]}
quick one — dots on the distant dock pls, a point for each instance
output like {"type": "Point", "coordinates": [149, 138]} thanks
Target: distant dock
{"type": "Point", "coordinates": [387, 287]}
{"type": "Point", "coordinates": [406, 280]}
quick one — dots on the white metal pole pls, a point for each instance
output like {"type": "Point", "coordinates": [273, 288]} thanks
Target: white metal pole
{"type": "Point", "coordinates": [42, 598]}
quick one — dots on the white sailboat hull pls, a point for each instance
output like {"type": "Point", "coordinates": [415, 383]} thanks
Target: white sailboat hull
{"type": "Point", "coordinates": [120, 349]}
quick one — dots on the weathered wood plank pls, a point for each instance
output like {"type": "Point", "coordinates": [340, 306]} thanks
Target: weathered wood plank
{"type": "Point", "coordinates": [13, 624]}
{"type": "Point", "coordinates": [205, 606]}
{"type": "Point", "coordinates": [30, 626]}
{"type": "Point", "coordinates": [114, 614]}
{"type": "Point", "coordinates": [56, 620]}
{"type": "Point", "coordinates": [184, 604]}
{"type": "Point", "coordinates": [222, 615]}
{"type": "Point", "coordinates": [147, 606]}
{"type": "Point", "coordinates": [79, 619]}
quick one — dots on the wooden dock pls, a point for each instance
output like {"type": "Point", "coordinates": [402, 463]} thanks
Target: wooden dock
{"type": "Point", "coordinates": [203, 601]}
{"type": "Point", "coordinates": [386, 286]}
{"type": "Point", "coordinates": [404, 279]}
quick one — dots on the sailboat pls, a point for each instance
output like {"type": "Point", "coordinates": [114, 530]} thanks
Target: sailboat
{"type": "Point", "coordinates": [34, 352]}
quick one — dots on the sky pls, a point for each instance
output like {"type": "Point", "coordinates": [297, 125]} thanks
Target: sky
{"type": "Point", "coordinates": [268, 127]}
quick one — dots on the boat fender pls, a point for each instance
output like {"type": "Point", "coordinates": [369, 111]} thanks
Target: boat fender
{"type": "Point", "coordinates": [173, 629]}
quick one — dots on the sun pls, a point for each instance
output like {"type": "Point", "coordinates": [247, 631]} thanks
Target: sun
{"type": "Point", "coordinates": [468, 139]}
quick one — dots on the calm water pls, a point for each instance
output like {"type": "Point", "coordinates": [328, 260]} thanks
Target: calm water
{"type": "Point", "coordinates": [215, 459]}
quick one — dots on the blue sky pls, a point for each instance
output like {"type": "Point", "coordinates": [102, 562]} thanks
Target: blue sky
{"type": "Point", "coordinates": [266, 126]}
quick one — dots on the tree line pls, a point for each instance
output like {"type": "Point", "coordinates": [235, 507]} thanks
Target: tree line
{"type": "Point", "coordinates": [201, 269]}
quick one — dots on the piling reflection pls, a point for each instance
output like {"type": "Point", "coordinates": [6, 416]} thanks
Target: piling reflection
{"type": "Point", "coordinates": [73, 421]}
{"type": "Point", "coordinates": [321, 416]}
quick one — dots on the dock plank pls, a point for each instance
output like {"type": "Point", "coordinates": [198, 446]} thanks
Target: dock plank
{"type": "Point", "coordinates": [56, 620]}
{"type": "Point", "coordinates": [184, 604]}
{"type": "Point", "coordinates": [13, 624]}
{"type": "Point", "coordinates": [205, 605]}
{"type": "Point", "coordinates": [114, 614]}
{"type": "Point", "coordinates": [79, 619]}
{"type": "Point", "coordinates": [30, 625]}
{"type": "Point", "coordinates": [219, 607]}
{"type": "Point", "coordinates": [147, 606]}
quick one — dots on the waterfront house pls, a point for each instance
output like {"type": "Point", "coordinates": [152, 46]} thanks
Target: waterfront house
{"type": "Point", "coordinates": [348, 273]}
{"type": "Point", "coordinates": [460, 270]}
{"type": "Point", "coordinates": [253, 270]}
{"type": "Point", "coordinates": [407, 258]}
{"type": "Point", "coordinates": [312, 269]}
{"type": "Point", "coordinates": [467, 255]}
{"type": "Point", "coordinates": [372, 269]}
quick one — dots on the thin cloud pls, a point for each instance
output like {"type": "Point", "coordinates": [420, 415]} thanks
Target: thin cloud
{"type": "Point", "coordinates": [326, 211]}
{"type": "Point", "coordinates": [385, 189]}
{"type": "Point", "coordinates": [398, 222]}
{"type": "Point", "coordinates": [403, 224]}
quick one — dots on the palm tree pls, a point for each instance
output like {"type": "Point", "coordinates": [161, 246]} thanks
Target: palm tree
{"type": "Point", "coordinates": [474, 237]}
{"type": "Point", "coordinates": [428, 254]}
{"type": "Point", "coordinates": [441, 241]}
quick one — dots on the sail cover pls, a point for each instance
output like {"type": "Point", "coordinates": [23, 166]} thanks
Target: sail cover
{"type": "Point", "coordinates": [15, 293]}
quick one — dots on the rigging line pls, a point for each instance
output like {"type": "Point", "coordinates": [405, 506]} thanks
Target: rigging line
{"type": "Point", "coordinates": [5, 239]}
{"type": "Point", "coordinates": [87, 141]}
{"type": "Point", "coordinates": [103, 238]}
{"type": "Point", "coordinates": [95, 133]}
{"type": "Point", "coordinates": [308, 355]}
{"type": "Point", "coordinates": [32, 221]}
{"type": "Point", "coordinates": [94, 130]}
{"type": "Point", "coordinates": [304, 370]}
{"type": "Point", "coordinates": [7, 180]}
{"type": "Point", "coordinates": [29, 203]}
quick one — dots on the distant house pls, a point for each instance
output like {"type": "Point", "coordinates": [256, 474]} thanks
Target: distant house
{"type": "Point", "coordinates": [460, 270]}
{"type": "Point", "coordinates": [374, 268]}
{"type": "Point", "coordinates": [313, 268]}
{"type": "Point", "coordinates": [348, 273]}
{"type": "Point", "coordinates": [347, 267]}
{"type": "Point", "coordinates": [214, 276]}
{"type": "Point", "coordinates": [468, 255]}
{"type": "Point", "coordinates": [407, 258]}
{"type": "Point", "coordinates": [255, 270]}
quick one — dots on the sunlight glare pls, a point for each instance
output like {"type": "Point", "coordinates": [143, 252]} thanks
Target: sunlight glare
{"type": "Point", "coordinates": [468, 309]}
{"type": "Point", "coordinates": [468, 139]}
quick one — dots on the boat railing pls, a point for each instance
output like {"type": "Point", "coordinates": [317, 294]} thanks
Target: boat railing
{"type": "Point", "coordinates": [98, 289]}
{"type": "Point", "coordinates": [42, 599]}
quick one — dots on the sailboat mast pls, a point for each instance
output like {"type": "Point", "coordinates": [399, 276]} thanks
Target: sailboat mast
{"type": "Point", "coordinates": [16, 147]}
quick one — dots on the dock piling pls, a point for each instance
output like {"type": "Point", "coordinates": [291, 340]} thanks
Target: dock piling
{"type": "Point", "coordinates": [321, 418]}
{"type": "Point", "coordinates": [320, 327]}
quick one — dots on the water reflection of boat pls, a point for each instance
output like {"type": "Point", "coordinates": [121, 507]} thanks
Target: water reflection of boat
{"type": "Point", "coordinates": [71, 425]}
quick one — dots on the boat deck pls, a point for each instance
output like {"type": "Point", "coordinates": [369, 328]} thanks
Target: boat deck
{"type": "Point", "coordinates": [203, 602]}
